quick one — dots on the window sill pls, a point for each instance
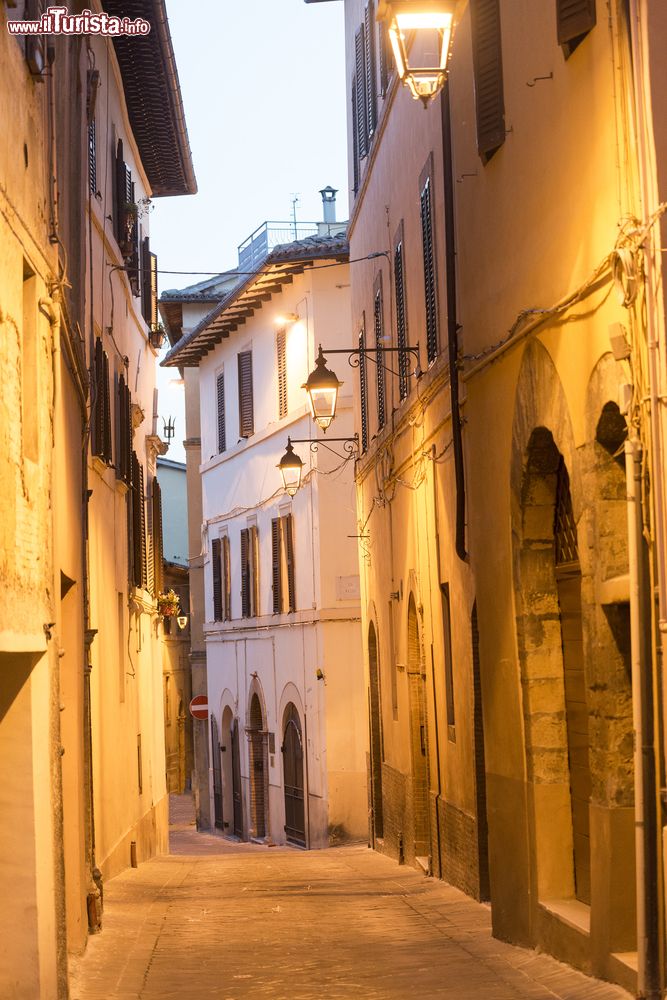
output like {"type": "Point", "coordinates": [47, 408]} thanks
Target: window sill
{"type": "Point", "coordinates": [573, 913]}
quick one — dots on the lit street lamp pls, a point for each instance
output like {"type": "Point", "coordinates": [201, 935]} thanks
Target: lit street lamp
{"type": "Point", "coordinates": [420, 32]}
{"type": "Point", "coordinates": [322, 389]}
{"type": "Point", "coordinates": [290, 466]}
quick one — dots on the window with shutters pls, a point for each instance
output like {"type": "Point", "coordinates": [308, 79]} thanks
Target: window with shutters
{"type": "Point", "coordinates": [246, 406]}
{"type": "Point", "coordinates": [385, 58]}
{"type": "Point", "coordinates": [123, 431]}
{"type": "Point", "coordinates": [281, 351]}
{"type": "Point", "coordinates": [378, 322]}
{"type": "Point", "coordinates": [574, 18]}
{"type": "Point", "coordinates": [283, 568]}
{"type": "Point", "coordinates": [363, 387]}
{"type": "Point", "coordinates": [92, 157]}
{"type": "Point", "coordinates": [158, 554]}
{"type": "Point", "coordinates": [361, 93]}
{"type": "Point", "coordinates": [449, 677]}
{"type": "Point", "coordinates": [370, 36]}
{"type": "Point", "coordinates": [101, 429]}
{"type": "Point", "coordinates": [148, 284]}
{"type": "Point", "coordinates": [355, 139]}
{"type": "Point", "coordinates": [216, 567]}
{"type": "Point", "coordinates": [137, 523]}
{"type": "Point", "coordinates": [226, 580]}
{"type": "Point", "coordinates": [401, 318]}
{"type": "Point", "coordinates": [220, 404]}
{"type": "Point", "coordinates": [488, 72]}
{"type": "Point", "coordinates": [428, 253]}
{"type": "Point", "coordinates": [249, 572]}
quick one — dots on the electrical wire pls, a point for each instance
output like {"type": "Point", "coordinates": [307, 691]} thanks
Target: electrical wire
{"type": "Point", "coordinates": [281, 267]}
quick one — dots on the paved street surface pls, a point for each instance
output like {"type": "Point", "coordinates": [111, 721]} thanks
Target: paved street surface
{"type": "Point", "coordinates": [224, 920]}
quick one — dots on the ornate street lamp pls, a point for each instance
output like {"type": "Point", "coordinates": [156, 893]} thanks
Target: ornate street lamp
{"type": "Point", "coordinates": [322, 387]}
{"type": "Point", "coordinates": [420, 32]}
{"type": "Point", "coordinates": [290, 466]}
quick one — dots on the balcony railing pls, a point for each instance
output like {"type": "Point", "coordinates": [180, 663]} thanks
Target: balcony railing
{"type": "Point", "coordinates": [254, 249]}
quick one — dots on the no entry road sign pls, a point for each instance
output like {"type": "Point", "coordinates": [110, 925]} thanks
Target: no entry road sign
{"type": "Point", "coordinates": [199, 707]}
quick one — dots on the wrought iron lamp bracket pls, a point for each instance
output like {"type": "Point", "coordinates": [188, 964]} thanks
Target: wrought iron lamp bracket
{"type": "Point", "coordinates": [354, 357]}
{"type": "Point", "coordinates": [350, 444]}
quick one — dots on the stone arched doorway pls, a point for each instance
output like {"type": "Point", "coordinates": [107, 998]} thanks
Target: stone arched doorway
{"type": "Point", "coordinates": [375, 721]}
{"type": "Point", "coordinates": [293, 777]}
{"type": "Point", "coordinates": [550, 634]}
{"type": "Point", "coordinates": [418, 739]}
{"type": "Point", "coordinates": [259, 771]}
{"type": "Point", "coordinates": [217, 774]}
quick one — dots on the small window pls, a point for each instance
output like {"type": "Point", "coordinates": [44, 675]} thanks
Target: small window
{"type": "Point", "coordinates": [378, 315]}
{"type": "Point", "coordinates": [428, 250]}
{"type": "Point", "coordinates": [281, 351]}
{"type": "Point", "coordinates": [574, 19]}
{"type": "Point", "coordinates": [246, 406]}
{"type": "Point", "coordinates": [363, 387]}
{"type": "Point", "coordinates": [220, 403]}
{"type": "Point", "coordinates": [488, 72]}
{"type": "Point", "coordinates": [401, 320]}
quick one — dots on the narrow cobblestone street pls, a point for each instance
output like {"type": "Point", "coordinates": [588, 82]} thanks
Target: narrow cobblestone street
{"type": "Point", "coordinates": [216, 919]}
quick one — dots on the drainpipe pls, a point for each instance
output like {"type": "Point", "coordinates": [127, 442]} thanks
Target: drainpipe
{"type": "Point", "coordinates": [646, 809]}
{"type": "Point", "coordinates": [452, 325]}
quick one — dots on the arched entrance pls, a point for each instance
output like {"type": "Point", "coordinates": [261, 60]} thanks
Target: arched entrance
{"type": "Point", "coordinates": [258, 769]}
{"type": "Point", "coordinates": [374, 711]}
{"type": "Point", "coordinates": [552, 658]}
{"type": "Point", "coordinates": [237, 795]}
{"type": "Point", "coordinates": [217, 774]}
{"type": "Point", "coordinates": [292, 750]}
{"type": "Point", "coordinates": [418, 739]}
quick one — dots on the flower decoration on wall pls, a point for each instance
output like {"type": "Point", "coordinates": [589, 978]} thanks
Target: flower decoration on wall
{"type": "Point", "coordinates": [168, 604]}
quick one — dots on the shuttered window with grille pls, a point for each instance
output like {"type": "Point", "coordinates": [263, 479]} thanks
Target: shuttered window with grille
{"type": "Point", "coordinates": [123, 431]}
{"type": "Point", "coordinates": [363, 388]}
{"type": "Point", "coordinates": [220, 403]}
{"type": "Point", "coordinates": [361, 98]}
{"type": "Point", "coordinates": [148, 284]}
{"type": "Point", "coordinates": [574, 18]}
{"type": "Point", "coordinates": [281, 351]}
{"type": "Point", "coordinates": [101, 430]}
{"type": "Point", "coordinates": [428, 251]}
{"type": "Point", "coordinates": [371, 63]}
{"type": "Point", "coordinates": [401, 321]}
{"type": "Point", "coordinates": [216, 566]}
{"type": "Point", "coordinates": [488, 72]}
{"type": "Point", "coordinates": [92, 157]}
{"type": "Point", "coordinates": [378, 314]}
{"type": "Point", "coordinates": [226, 580]}
{"type": "Point", "coordinates": [158, 551]}
{"type": "Point", "coordinates": [276, 566]}
{"type": "Point", "coordinates": [246, 406]}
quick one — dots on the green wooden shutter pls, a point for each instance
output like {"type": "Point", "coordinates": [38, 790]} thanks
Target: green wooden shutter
{"type": "Point", "coordinates": [488, 71]}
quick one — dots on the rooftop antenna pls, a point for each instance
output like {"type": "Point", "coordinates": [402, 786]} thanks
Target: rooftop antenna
{"type": "Point", "coordinates": [295, 202]}
{"type": "Point", "coordinates": [169, 429]}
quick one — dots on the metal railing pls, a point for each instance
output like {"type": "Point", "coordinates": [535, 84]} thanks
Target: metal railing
{"type": "Point", "coordinates": [268, 235]}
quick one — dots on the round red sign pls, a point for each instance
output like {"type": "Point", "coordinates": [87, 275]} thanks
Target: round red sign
{"type": "Point", "coordinates": [199, 707]}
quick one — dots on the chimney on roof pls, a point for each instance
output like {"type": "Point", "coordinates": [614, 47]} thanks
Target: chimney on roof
{"type": "Point", "coordinates": [329, 203]}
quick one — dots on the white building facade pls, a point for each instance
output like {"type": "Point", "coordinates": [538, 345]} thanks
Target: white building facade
{"type": "Point", "coordinates": [285, 674]}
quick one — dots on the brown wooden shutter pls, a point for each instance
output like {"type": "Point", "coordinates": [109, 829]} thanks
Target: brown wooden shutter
{"type": "Point", "coordinates": [142, 519]}
{"type": "Point", "coordinates": [226, 579]}
{"type": "Point", "coordinates": [246, 407]}
{"type": "Point", "coordinates": [574, 19]}
{"type": "Point", "coordinates": [276, 566]}
{"type": "Point", "coordinates": [360, 78]}
{"type": "Point", "coordinates": [371, 78]}
{"type": "Point", "coordinates": [385, 58]}
{"type": "Point", "coordinates": [447, 635]}
{"type": "Point", "coordinates": [120, 196]}
{"type": "Point", "coordinates": [101, 429]}
{"type": "Point", "coordinates": [401, 321]}
{"type": "Point", "coordinates": [253, 555]}
{"type": "Point", "coordinates": [363, 389]}
{"type": "Point", "coordinates": [281, 350]}
{"type": "Point", "coordinates": [137, 536]}
{"type": "Point", "coordinates": [92, 158]}
{"type": "Point", "coordinates": [245, 573]}
{"type": "Point", "coordinates": [106, 393]}
{"type": "Point", "coordinates": [355, 138]}
{"type": "Point", "coordinates": [488, 71]}
{"type": "Point", "coordinates": [379, 358]}
{"type": "Point", "coordinates": [158, 551]}
{"type": "Point", "coordinates": [148, 284]}
{"type": "Point", "coordinates": [124, 432]}
{"type": "Point", "coordinates": [217, 579]}
{"type": "Point", "coordinates": [220, 399]}
{"type": "Point", "coordinates": [428, 250]}
{"type": "Point", "coordinates": [288, 541]}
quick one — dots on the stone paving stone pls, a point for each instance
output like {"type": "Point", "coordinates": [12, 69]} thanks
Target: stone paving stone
{"type": "Point", "coordinates": [233, 921]}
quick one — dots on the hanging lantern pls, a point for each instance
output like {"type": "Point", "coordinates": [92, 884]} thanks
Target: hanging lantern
{"type": "Point", "coordinates": [420, 32]}
{"type": "Point", "coordinates": [290, 466]}
{"type": "Point", "coordinates": [322, 388]}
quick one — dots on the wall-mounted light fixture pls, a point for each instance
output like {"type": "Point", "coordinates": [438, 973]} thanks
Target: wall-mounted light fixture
{"type": "Point", "coordinates": [421, 32]}
{"type": "Point", "coordinates": [182, 621]}
{"type": "Point", "coordinates": [291, 466]}
{"type": "Point", "coordinates": [285, 319]}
